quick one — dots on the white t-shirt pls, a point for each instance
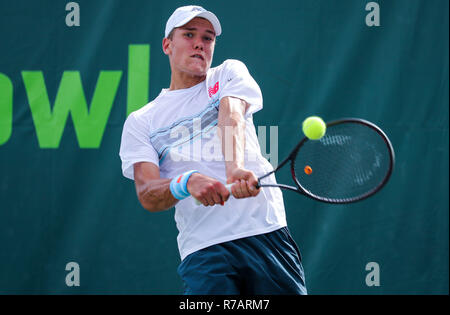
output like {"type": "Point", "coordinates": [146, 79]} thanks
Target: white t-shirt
{"type": "Point", "coordinates": [178, 132]}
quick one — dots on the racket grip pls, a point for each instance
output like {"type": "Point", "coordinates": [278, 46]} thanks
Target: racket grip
{"type": "Point", "coordinates": [227, 186]}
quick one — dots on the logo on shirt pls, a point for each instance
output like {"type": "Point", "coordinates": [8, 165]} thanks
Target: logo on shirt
{"type": "Point", "coordinates": [213, 89]}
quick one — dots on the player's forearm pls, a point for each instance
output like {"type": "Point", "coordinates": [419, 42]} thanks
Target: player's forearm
{"type": "Point", "coordinates": [155, 195]}
{"type": "Point", "coordinates": [231, 123]}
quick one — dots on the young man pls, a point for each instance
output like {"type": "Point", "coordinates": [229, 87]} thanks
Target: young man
{"type": "Point", "coordinates": [195, 136]}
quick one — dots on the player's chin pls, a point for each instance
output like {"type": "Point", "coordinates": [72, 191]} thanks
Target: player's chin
{"type": "Point", "coordinates": [199, 69]}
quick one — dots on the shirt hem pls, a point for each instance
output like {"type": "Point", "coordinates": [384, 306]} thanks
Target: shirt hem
{"type": "Point", "coordinates": [231, 238]}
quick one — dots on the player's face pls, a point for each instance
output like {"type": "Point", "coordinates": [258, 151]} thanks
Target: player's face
{"type": "Point", "coordinates": [192, 47]}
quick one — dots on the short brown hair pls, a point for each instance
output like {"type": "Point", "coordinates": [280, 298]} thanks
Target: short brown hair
{"type": "Point", "coordinates": [170, 36]}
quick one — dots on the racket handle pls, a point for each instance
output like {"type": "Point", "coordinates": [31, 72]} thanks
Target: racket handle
{"type": "Point", "coordinates": [227, 186]}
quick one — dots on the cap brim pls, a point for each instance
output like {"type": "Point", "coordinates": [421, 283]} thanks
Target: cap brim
{"type": "Point", "coordinates": [211, 17]}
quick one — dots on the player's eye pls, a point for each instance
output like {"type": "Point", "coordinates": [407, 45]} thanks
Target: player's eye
{"type": "Point", "coordinates": [189, 35]}
{"type": "Point", "coordinates": [207, 38]}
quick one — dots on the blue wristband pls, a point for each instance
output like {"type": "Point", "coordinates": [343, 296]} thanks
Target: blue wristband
{"type": "Point", "coordinates": [178, 185]}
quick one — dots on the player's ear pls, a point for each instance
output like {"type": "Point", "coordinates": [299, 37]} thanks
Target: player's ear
{"type": "Point", "coordinates": [167, 49]}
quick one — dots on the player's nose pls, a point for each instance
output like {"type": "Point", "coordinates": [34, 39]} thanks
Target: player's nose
{"type": "Point", "coordinates": [198, 44]}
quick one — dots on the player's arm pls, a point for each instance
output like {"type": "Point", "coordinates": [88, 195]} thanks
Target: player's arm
{"type": "Point", "coordinates": [231, 123]}
{"type": "Point", "coordinates": [155, 195]}
{"type": "Point", "coordinates": [152, 191]}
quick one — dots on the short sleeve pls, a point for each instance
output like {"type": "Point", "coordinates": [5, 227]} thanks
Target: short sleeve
{"type": "Point", "coordinates": [135, 145]}
{"type": "Point", "coordinates": [237, 82]}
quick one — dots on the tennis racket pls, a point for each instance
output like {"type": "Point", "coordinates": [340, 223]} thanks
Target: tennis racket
{"type": "Point", "coordinates": [351, 162]}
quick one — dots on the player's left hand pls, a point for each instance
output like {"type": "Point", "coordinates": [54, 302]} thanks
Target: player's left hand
{"type": "Point", "coordinates": [244, 183]}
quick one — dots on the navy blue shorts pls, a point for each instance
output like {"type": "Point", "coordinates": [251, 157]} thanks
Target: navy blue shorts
{"type": "Point", "coordinates": [262, 264]}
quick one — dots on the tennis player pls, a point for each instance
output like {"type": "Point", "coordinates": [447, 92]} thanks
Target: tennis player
{"type": "Point", "coordinates": [184, 145]}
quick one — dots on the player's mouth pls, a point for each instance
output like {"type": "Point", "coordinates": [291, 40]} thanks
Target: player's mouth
{"type": "Point", "coordinates": [198, 56]}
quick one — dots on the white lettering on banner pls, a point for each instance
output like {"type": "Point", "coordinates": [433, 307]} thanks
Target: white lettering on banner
{"type": "Point", "coordinates": [373, 277]}
{"type": "Point", "coordinates": [73, 277]}
{"type": "Point", "coordinates": [73, 17]}
{"type": "Point", "coordinates": [373, 18]}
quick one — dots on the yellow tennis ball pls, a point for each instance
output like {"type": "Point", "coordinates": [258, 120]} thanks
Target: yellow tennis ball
{"type": "Point", "coordinates": [314, 127]}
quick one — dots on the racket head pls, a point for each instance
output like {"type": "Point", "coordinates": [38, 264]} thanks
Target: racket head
{"type": "Point", "coordinates": [352, 162]}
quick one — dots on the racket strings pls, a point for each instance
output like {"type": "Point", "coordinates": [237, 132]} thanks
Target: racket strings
{"type": "Point", "coordinates": [350, 161]}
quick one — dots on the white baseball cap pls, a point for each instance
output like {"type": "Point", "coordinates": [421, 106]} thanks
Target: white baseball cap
{"type": "Point", "coordinates": [183, 15]}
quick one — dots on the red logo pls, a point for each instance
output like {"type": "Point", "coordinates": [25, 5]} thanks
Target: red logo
{"type": "Point", "coordinates": [213, 89]}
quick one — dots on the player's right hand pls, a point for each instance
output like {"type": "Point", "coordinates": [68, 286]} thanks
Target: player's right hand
{"type": "Point", "coordinates": [207, 190]}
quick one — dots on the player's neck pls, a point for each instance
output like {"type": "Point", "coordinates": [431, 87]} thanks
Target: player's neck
{"type": "Point", "coordinates": [180, 81]}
